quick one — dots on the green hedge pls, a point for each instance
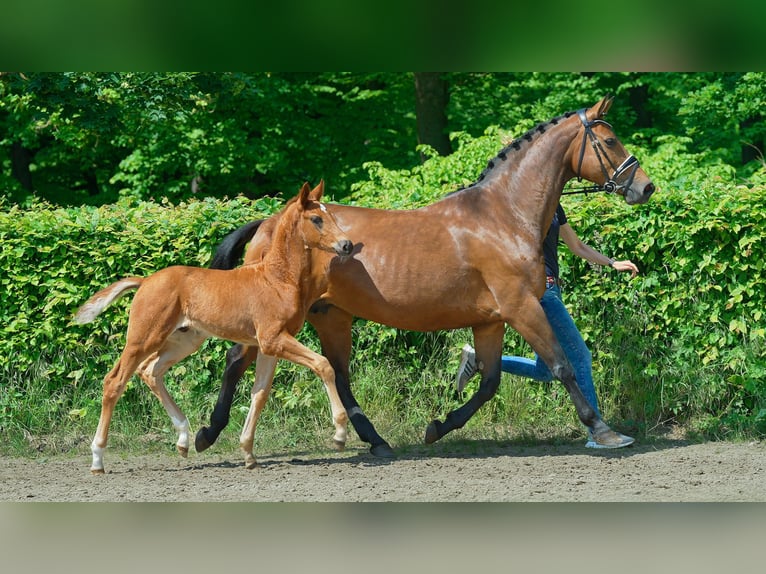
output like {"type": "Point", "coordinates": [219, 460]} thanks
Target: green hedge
{"type": "Point", "coordinates": [684, 341]}
{"type": "Point", "coordinates": [53, 259]}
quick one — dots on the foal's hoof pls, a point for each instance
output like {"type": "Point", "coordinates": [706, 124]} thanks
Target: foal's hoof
{"type": "Point", "coordinates": [382, 451]}
{"type": "Point", "coordinates": [432, 432]}
{"type": "Point", "coordinates": [200, 441]}
{"type": "Point", "coordinates": [183, 451]}
{"type": "Point", "coordinates": [338, 445]}
{"type": "Point", "coordinates": [250, 465]}
{"type": "Point", "coordinates": [97, 471]}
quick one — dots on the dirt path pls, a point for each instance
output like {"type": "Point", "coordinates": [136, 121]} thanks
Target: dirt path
{"type": "Point", "coordinates": [484, 471]}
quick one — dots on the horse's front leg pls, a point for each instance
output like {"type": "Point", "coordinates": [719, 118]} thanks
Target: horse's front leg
{"type": "Point", "coordinates": [259, 394]}
{"type": "Point", "coordinates": [531, 323]}
{"type": "Point", "coordinates": [488, 341]}
{"type": "Point", "coordinates": [238, 359]}
{"type": "Point", "coordinates": [333, 327]}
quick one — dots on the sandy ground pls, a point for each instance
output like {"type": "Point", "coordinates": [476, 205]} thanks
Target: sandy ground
{"type": "Point", "coordinates": [486, 471]}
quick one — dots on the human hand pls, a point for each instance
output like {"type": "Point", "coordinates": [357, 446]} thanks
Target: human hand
{"type": "Point", "coordinates": [626, 265]}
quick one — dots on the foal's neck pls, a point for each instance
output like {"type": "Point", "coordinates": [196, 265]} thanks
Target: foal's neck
{"type": "Point", "coordinates": [289, 259]}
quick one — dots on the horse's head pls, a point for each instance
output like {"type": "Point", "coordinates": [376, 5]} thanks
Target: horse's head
{"type": "Point", "coordinates": [319, 227]}
{"type": "Point", "coordinates": [605, 161]}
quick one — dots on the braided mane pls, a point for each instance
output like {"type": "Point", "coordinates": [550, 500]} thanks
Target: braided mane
{"type": "Point", "coordinates": [515, 145]}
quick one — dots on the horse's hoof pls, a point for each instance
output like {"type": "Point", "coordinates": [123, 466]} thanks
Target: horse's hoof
{"type": "Point", "coordinates": [338, 445]}
{"type": "Point", "coordinates": [251, 465]}
{"type": "Point", "coordinates": [97, 471]}
{"type": "Point", "coordinates": [610, 439]}
{"type": "Point", "coordinates": [183, 451]}
{"type": "Point", "coordinates": [432, 433]}
{"type": "Point", "coordinates": [200, 441]}
{"type": "Point", "coordinates": [382, 451]}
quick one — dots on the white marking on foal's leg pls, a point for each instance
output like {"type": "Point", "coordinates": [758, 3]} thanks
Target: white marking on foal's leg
{"type": "Point", "coordinates": [97, 466]}
{"type": "Point", "coordinates": [182, 426]}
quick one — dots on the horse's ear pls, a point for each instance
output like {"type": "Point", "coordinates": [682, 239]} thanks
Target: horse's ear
{"type": "Point", "coordinates": [304, 195]}
{"type": "Point", "coordinates": [604, 105]}
{"type": "Point", "coordinates": [318, 191]}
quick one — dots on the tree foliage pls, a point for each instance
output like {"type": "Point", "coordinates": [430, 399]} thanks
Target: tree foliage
{"type": "Point", "coordinates": [684, 341]}
{"type": "Point", "coordinates": [74, 138]}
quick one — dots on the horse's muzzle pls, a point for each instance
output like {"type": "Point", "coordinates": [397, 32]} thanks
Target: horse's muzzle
{"type": "Point", "coordinates": [647, 192]}
{"type": "Point", "coordinates": [635, 196]}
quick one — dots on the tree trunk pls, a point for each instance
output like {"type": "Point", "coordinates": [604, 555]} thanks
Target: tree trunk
{"type": "Point", "coordinates": [21, 158]}
{"type": "Point", "coordinates": [431, 98]}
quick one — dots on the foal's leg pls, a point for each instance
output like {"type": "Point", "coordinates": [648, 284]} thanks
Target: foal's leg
{"type": "Point", "coordinates": [238, 359]}
{"type": "Point", "coordinates": [488, 341]}
{"type": "Point", "coordinates": [152, 372]}
{"type": "Point", "coordinates": [114, 385]}
{"type": "Point", "coordinates": [151, 322]}
{"type": "Point", "coordinates": [285, 346]}
{"type": "Point", "coordinates": [259, 394]}
{"type": "Point", "coordinates": [333, 327]}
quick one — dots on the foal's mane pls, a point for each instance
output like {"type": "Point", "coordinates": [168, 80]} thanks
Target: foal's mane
{"type": "Point", "coordinates": [284, 222]}
{"type": "Point", "coordinates": [515, 146]}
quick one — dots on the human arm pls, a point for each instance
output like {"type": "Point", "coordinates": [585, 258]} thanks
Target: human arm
{"type": "Point", "coordinates": [585, 251]}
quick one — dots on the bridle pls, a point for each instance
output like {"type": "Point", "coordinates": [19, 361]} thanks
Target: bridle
{"type": "Point", "coordinates": [629, 165]}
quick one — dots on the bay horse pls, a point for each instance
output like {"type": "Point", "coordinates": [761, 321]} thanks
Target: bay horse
{"type": "Point", "coordinates": [472, 259]}
{"type": "Point", "coordinates": [262, 305]}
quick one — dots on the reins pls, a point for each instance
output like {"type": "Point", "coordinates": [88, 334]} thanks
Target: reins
{"type": "Point", "coordinates": [611, 185]}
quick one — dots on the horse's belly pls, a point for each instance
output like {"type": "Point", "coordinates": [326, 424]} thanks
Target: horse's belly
{"type": "Point", "coordinates": [422, 315]}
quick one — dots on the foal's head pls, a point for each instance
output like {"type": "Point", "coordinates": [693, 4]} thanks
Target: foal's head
{"type": "Point", "coordinates": [601, 158]}
{"type": "Point", "coordinates": [317, 225]}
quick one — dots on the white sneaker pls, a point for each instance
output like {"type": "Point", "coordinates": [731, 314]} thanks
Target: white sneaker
{"type": "Point", "coordinates": [467, 367]}
{"type": "Point", "coordinates": [616, 441]}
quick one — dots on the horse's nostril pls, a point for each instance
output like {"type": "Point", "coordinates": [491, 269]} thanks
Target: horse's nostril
{"type": "Point", "coordinates": [649, 189]}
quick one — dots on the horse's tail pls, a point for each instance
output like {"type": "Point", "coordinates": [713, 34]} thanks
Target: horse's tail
{"type": "Point", "coordinates": [92, 307]}
{"type": "Point", "coordinates": [230, 250]}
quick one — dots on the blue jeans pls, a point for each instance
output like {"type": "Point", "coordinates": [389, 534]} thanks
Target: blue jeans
{"type": "Point", "coordinates": [571, 342]}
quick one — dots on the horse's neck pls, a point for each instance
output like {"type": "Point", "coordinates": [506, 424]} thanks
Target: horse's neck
{"type": "Point", "coordinates": [531, 179]}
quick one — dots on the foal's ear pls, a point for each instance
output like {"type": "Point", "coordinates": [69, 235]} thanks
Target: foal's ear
{"type": "Point", "coordinates": [303, 195]}
{"type": "Point", "coordinates": [318, 191]}
{"type": "Point", "coordinates": [603, 106]}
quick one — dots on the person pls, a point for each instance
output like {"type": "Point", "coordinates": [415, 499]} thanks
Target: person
{"type": "Point", "coordinates": [561, 322]}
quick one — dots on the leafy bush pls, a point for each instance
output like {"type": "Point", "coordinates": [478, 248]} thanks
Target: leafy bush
{"type": "Point", "coordinates": [53, 259]}
{"type": "Point", "coordinates": [682, 342]}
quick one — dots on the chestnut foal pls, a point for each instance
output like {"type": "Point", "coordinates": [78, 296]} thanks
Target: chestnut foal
{"type": "Point", "coordinates": [263, 304]}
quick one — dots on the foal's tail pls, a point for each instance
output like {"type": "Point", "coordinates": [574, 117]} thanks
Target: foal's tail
{"type": "Point", "coordinates": [230, 250]}
{"type": "Point", "coordinates": [92, 307]}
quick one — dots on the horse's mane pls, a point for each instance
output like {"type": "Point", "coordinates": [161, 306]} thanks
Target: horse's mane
{"type": "Point", "coordinates": [514, 146]}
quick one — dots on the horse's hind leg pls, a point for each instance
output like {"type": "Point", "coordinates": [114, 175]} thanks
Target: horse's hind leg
{"type": "Point", "coordinates": [259, 394]}
{"type": "Point", "coordinates": [333, 327]}
{"type": "Point", "coordinates": [238, 359]}
{"type": "Point", "coordinates": [488, 341]}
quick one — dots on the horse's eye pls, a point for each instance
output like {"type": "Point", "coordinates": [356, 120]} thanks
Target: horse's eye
{"type": "Point", "coordinates": [610, 141]}
{"type": "Point", "coordinates": [316, 220]}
